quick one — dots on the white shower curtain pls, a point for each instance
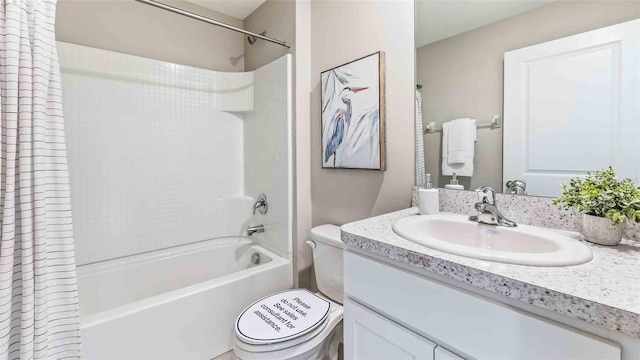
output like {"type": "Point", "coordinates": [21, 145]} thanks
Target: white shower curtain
{"type": "Point", "coordinates": [421, 177]}
{"type": "Point", "coordinates": [38, 287]}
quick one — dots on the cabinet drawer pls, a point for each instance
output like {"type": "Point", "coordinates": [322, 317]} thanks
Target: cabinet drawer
{"type": "Point", "coordinates": [464, 322]}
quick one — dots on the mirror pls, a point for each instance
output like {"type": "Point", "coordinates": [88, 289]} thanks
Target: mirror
{"type": "Point", "coordinates": [550, 90]}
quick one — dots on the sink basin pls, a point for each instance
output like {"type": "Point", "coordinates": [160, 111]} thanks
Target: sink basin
{"type": "Point", "coordinates": [523, 245]}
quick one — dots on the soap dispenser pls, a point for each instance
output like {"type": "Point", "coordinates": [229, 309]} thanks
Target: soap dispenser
{"type": "Point", "coordinates": [453, 184]}
{"type": "Point", "coordinates": [428, 199]}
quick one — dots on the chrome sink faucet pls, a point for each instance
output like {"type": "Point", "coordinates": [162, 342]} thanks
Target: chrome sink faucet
{"type": "Point", "coordinates": [488, 210]}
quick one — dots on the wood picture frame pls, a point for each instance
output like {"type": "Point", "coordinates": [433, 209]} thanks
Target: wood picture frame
{"type": "Point", "coordinates": [353, 114]}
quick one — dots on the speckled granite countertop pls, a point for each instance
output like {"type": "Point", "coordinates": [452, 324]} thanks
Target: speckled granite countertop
{"type": "Point", "coordinates": [604, 291]}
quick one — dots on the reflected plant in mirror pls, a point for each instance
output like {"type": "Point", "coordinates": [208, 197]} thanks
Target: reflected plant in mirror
{"type": "Point", "coordinates": [561, 75]}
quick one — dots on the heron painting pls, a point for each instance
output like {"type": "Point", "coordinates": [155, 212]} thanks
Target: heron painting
{"type": "Point", "coordinates": [353, 115]}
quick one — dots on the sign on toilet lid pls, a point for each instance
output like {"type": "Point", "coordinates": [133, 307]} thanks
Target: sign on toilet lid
{"type": "Point", "coordinates": [282, 316]}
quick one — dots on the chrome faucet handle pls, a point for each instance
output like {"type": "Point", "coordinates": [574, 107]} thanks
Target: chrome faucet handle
{"type": "Point", "coordinates": [486, 195]}
{"type": "Point", "coordinates": [261, 203]}
{"type": "Point", "coordinates": [487, 209]}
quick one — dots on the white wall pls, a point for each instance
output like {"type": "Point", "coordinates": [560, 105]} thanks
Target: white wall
{"type": "Point", "coordinates": [155, 152]}
{"type": "Point", "coordinates": [342, 31]}
{"type": "Point", "coordinates": [268, 158]}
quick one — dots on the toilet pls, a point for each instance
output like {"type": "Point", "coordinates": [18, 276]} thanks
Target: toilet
{"type": "Point", "coordinates": [298, 324]}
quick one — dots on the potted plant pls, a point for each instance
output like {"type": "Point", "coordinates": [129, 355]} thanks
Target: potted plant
{"type": "Point", "coordinates": [605, 202]}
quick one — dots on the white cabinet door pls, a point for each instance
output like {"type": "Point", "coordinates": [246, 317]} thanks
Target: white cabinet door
{"type": "Point", "coordinates": [572, 106]}
{"type": "Point", "coordinates": [370, 336]}
{"type": "Point", "coordinates": [441, 353]}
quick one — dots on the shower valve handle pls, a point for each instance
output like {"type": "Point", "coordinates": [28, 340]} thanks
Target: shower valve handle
{"type": "Point", "coordinates": [261, 204]}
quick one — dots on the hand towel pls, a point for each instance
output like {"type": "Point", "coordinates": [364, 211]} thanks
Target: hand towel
{"type": "Point", "coordinates": [465, 168]}
{"type": "Point", "coordinates": [459, 134]}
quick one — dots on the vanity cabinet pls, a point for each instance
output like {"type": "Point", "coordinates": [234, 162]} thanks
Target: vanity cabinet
{"type": "Point", "coordinates": [391, 313]}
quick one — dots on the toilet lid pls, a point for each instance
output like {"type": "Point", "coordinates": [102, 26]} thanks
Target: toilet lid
{"type": "Point", "coordinates": [282, 316]}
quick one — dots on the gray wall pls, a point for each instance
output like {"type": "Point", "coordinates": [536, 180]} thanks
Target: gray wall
{"type": "Point", "coordinates": [276, 17]}
{"type": "Point", "coordinates": [346, 30]}
{"type": "Point", "coordinates": [137, 29]}
{"type": "Point", "coordinates": [462, 75]}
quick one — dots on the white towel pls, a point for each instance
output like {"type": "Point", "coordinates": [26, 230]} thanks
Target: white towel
{"type": "Point", "coordinates": [464, 147]}
{"type": "Point", "coordinates": [459, 135]}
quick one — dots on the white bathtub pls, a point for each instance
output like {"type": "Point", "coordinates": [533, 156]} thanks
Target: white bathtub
{"type": "Point", "coordinates": [179, 303]}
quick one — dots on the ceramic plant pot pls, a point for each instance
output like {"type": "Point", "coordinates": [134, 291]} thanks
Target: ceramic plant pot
{"type": "Point", "coordinates": [598, 230]}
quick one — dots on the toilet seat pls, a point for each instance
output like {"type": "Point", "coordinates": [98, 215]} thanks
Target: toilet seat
{"type": "Point", "coordinates": [283, 344]}
{"type": "Point", "coordinates": [290, 317]}
{"type": "Point", "coordinates": [302, 348]}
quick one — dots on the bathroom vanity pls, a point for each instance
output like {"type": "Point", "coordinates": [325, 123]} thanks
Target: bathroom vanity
{"type": "Point", "coordinates": [404, 300]}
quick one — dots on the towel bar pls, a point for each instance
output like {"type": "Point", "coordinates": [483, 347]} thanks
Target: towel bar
{"type": "Point", "coordinates": [493, 124]}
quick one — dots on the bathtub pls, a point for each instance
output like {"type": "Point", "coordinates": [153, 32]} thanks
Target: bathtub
{"type": "Point", "coordinates": [179, 303]}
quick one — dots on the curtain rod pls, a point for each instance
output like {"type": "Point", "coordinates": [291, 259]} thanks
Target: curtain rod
{"type": "Point", "coordinates": [212, 22]}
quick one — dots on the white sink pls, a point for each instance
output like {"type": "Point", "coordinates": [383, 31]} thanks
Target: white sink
{"type": "Point", "coordinates": [523, 245]}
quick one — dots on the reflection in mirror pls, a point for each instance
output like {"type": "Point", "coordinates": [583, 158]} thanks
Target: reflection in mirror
{"type": "Point", "coordinates": [523, 95]}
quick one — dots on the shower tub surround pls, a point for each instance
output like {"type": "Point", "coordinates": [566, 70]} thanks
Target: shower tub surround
{"type": "Point", "coordinates": [603, 292]}
{"type": "Point", "coordinates": [162, 157]}
{"type": "Point", "coordinates": [147, 143]}
{"type": "Point", "coordinates": [163, 154]}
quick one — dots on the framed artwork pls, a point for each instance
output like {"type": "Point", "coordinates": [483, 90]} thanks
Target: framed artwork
{"type": "Point", "coordinates": [353, 132]}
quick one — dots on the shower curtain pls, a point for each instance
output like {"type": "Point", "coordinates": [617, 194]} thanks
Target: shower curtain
{"type": "Point", "coordinates": [421, 177]}
{"type": "Point", "coordinates": [38, 287]}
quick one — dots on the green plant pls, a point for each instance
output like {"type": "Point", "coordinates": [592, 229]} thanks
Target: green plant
{"type": "Point", "coordinates": [601, 194]}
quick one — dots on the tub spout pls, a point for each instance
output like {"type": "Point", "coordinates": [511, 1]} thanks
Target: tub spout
{"type": "Point", "coordinates": [255, 229]}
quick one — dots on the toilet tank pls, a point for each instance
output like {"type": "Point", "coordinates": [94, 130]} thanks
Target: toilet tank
{"type": "Point", "coordinates": [327, 260]}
